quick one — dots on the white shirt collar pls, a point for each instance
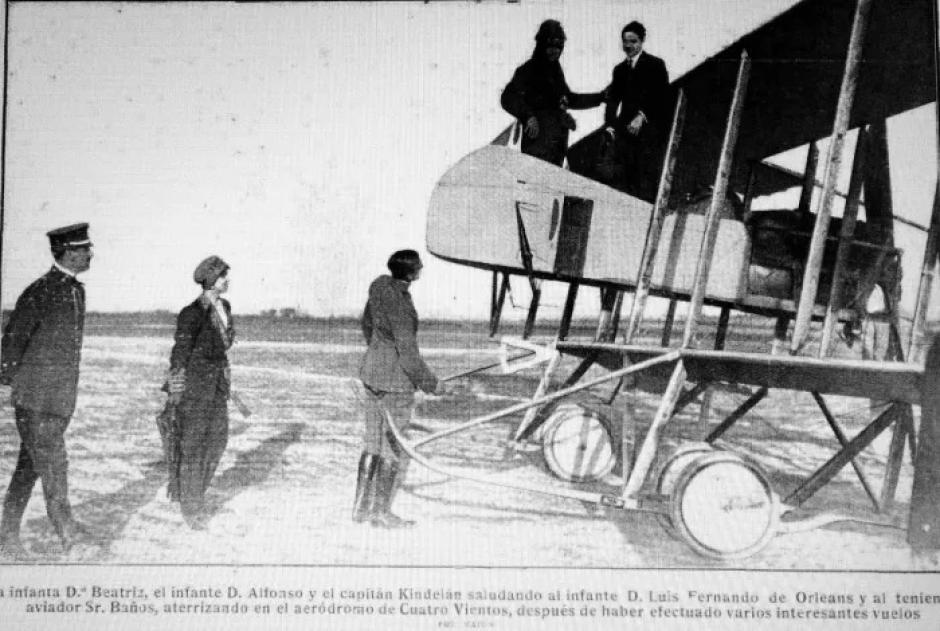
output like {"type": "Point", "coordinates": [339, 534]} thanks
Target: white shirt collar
{"type": "Point", "coordinates": [64, 270]}
{"type": "Point", "coordinates": [635, 59]}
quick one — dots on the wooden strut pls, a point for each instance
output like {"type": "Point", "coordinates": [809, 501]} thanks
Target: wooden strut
{"type": "Point", "coordinates": [809, 179]}
{"type": "Point", "coordinates": [733, 418]}
{"type": "Point", "coordinates": [565, 324]}
{"type": "Point", "coordinates": [720, 336]}
{"type": "Point", "coordinates": [719, 193]}
{"type": "Point", "coordinates": [918, 339]}
{"type": "Point", "coordinates": [833, 161]}
{"type": "Point", "coordinates": [918, 342]}
{"type": "Point", "coordinates": [855, 446]}
{"type": "Point", "coordinates": [548, 398]}
{"type": "Point", "coordinates": [525, 251]}
{"type": "Point", "coordinates": [526, 427]}
{"type": "Point", "coordinates": [667, 405]}
{"type": "Point", "coordinates": [903, 428]}
{"type": "Point", "coordinates": [654, 232]}
{"type": "Point", "coordinates": [843, 441]}
{"type": "Point", "coordinates": [847, 232]}
{"type": "Point", "coordinates": [611, 299]}
{"type": "Point", "coordinates": [690, 394]}
{"type": "Point", "coordinates": [583, 496]}
{"type": "Point", "coordinates": [497, 301]}
{"type": "Point", "coordinates": [669, 322]}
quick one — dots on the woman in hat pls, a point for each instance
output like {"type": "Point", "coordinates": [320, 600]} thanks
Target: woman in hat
{"type": "Point", "coordinates": [391, 370]}
{"type": "Point", "coordinates": [198, 385]}
{"type": "Point", "coordinates": [539, 97]}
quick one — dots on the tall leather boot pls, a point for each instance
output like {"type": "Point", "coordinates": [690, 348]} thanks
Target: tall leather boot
{"type": "Point", "coordinates": [382, 516]}
{"type": "Point", "coordinates": [365, 487]}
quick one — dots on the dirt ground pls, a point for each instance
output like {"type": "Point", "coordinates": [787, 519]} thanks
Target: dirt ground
{"type": "Point", "coordinates": [283, 492]}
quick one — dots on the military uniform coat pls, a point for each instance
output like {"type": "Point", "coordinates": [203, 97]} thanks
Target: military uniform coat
{"type": "Point", "coordinates": [42, 342]}
{"type": "Point", "coordinates": [392, 362]}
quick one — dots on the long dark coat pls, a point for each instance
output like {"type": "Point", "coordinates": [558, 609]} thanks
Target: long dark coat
{"type": "Point", "coordinates": [536, 89]}
{"type": "Point", "coordinates": [42, 343]}
{"type": "Point", "coordinates": [200, 349]}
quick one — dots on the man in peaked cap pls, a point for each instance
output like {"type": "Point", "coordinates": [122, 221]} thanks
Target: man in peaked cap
{"type": "Point", "coordinates": [39, 358]}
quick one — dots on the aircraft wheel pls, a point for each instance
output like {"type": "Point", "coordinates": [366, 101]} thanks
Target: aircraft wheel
{"type": "Point", "coordinates": [723, 507]}
{"type": "Point", "coordinates": [577, 444]}
{"type": "Point", "coordinates": [669, 473]}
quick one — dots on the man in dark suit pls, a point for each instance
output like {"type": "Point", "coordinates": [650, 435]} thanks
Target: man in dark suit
{"type": "Point", "coordinates": [637, 116]}
{"type": "Point", "coordinates": [41, 349]}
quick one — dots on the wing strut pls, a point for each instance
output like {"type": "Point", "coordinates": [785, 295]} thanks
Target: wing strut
{"type": "Point", "coordinates": [833, 161]}
{"type": "Point", "coordinates": [645, 273]}
{"type": "Point", "coordinates": [525, 250]}
{"type": "Point", "coordinates": [497, 300]}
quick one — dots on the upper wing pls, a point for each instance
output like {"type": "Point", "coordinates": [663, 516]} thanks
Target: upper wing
{"type": "Point", "coordinates": [797, 60]}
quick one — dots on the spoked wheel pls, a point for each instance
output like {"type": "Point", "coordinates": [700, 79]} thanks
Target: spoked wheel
{"type": "Point", "coordinates": [722, 506]}
{"type": "Point", "coordinates": [577, 443]}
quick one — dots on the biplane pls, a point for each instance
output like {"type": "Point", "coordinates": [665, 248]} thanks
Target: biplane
{"type": "Point", "coordinates": [819, 70]}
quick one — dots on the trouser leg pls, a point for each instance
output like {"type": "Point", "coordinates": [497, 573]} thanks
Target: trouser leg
{"type": "Point", "coordinates": [378, 440]}
{"type": "Point", "coordinates": [17, 497]}
{"type": "Point", "coordinates": [44, 437]}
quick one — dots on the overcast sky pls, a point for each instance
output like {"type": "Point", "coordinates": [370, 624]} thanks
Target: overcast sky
{"type": "Point", "coordinates": [301, 141]}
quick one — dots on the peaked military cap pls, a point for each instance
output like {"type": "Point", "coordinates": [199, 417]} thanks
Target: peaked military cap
{"type": "Point", "coordinates": [74, 236]}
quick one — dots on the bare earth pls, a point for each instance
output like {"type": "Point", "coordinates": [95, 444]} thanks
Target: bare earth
{"type": "Point", "coordinates": [283, 492]}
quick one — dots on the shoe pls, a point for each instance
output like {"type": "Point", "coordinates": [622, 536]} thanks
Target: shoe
{"type": "Point", "coordinates": [365, 483]}
{"type": "Point", "coordinates": [12, 549]}
{"type": "Point", "coordinates": [194, 512]}
{"type": "Point", "coordinates": [196, 522]}
{"type": "Point", "coordinates": [79, 529]}
{"type": "Point", "coordinates": [74, 532]}
{"type": "Point", "coordinates": [390, 520]}
{"type": "Point", "coordinates": [382, 516]}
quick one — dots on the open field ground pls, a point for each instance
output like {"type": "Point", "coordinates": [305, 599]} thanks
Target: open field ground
{"type": "Point", "coordinates": [283, 491]}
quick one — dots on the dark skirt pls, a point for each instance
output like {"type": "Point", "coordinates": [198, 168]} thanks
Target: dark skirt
{"type": "Point", "coordinates": [202, 421]}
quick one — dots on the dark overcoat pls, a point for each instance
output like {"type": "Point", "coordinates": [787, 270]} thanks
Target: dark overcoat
{"type": "Point", "coordinates": [200, 348]}
{"type": "Point", "coordinates": [42, 344]}
{"type": "Point", "coordinates": [392, 362]}
{"type": "Point", "coordinates": [536, 89]}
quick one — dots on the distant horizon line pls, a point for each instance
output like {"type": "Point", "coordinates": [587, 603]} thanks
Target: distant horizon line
{"type": "Point", "coordinates": [271, 313]}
